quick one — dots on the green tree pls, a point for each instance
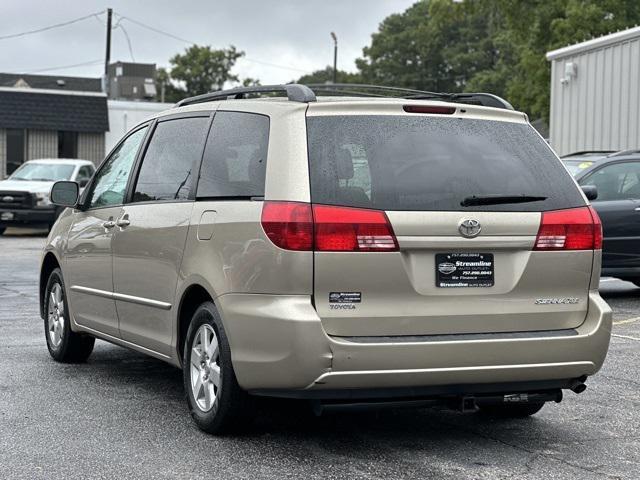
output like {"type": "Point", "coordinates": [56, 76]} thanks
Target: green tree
{"type": "Point", "coordinates": [497, 46]}
{"type": "Point", "coordinates": [536, 27]}
{"type": "Point", "coordinates": [326, 76]}
{"type": "Point", "coordinates": [201, 69]}
{"type": "Point", "coordinates": [434, 45]}
{"type": "Point", "coordinates": [250, 82]}
{"type": "Point", "coordinates": [166, 89]}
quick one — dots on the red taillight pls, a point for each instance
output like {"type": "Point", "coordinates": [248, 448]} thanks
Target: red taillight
{"type": "Point", "coordinates": [597, 229]}
{"type": "Point", "coordinates": [433, 109]}
{"type": "Point", "coordinates": [326, 228]}
{"type": "Point", "coordinates": [572, 229]}
{"type": "Point", "coordinates": [288, 225]}
{"type": "Point", "coordinates": [345, 229]}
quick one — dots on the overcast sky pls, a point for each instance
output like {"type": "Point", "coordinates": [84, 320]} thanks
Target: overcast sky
{"type": "Point", "coordinates": [293, 35]}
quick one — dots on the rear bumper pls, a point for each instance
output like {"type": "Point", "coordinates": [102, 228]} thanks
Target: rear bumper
{"type": "Point", "coordinates": [283, 349]}
{"type": "Point", "coordinates": [24, 217]}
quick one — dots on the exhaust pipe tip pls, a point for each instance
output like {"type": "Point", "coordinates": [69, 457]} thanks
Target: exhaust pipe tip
{"type": "Point", "coordinates": [577, 385]}
{"type": "Point", "coordinates": [579, 388]}
{"type": "Point", "coordinates": [558, 398]}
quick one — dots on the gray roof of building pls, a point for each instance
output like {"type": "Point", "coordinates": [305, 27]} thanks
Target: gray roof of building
{"type": "Point", "coordinates": [79, 112]}
{"type": "Point", "coordinates": [52, 82]}
{"type": "Point", "coordinates": [595, 43]}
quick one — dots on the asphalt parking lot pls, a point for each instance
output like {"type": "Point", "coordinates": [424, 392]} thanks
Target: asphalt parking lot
{"type": "Point", "coordinates": [122, 415]}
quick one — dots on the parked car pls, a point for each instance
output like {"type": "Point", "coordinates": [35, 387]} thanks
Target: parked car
{"type": "Point", "coordinates": [338, 250]}
{"type": "Point", "coordinates": [617, 179]}
{"type": "Point", "coordinates": [24, 196]}
{"type": "Point", "coordinates": [578, 161]}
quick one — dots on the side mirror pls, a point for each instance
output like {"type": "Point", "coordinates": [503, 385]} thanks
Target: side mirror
{"type": "Point", "coordinates": [65, 193]}
{"type": "Point", "coordinates": [590, 191]}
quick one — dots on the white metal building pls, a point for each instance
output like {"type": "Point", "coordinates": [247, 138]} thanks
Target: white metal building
{"type": "Point", "coordinates": [595, 94]}
{"type": "Point", "coordinates": [123, 115]}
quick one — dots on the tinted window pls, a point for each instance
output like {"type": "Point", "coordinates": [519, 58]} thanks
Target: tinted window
{"type": "Point", "coordinates": [110, 183]}
{"type": "Point", "coordinates": [168, 165]}
{"type": "Point", "coordinates": [577, 166]}
{"type": "Point", "coordinates": [427, 163]}
{"type": "Point", "coordinates": [235, 157]}
{"type": "Point", "coordinates": [620, 181]}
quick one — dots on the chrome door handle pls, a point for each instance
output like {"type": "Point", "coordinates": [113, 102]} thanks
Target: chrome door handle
{"type": "Point", "coordinates": [123, 223]}
{"type": "Point", "coordinates": [637, 209]}
{"type": "Point", "coordinates": [109, 224]}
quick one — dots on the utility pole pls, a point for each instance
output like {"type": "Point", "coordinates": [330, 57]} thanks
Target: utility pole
{"type": "Point", "coordinates": [335, 57]}
{"type": "Point", "coordinates": [107, 57]}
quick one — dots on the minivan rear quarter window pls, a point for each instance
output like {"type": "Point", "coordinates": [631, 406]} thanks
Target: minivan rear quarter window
{"type": "Point", "coordinates": [235, 158]}
{"type": "Point", "coordinates": [431, 163]}
{"type": "Point", "coordinates": [173, 154]}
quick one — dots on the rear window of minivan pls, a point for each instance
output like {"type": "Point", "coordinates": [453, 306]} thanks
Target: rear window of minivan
{"type": "Point", "coordinates": [431, 163]}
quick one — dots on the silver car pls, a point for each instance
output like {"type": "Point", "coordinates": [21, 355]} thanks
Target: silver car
{"type": "Point", "coordinates": [334, 249]}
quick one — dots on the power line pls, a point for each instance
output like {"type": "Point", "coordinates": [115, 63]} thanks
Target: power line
{"type": "Point", "coordinates": [65, 67]}
{"type": "Point", "coordinates": [50, 27]}
{"type": "Point", "coordinates": [126, 35]}
{"type": "Point", "coordinates": [62, 67]}
{"type": "Point", "coordinates": [153, 29]}
{"type": "Point", "coordinates": [175, 37]}
{"type": "Point", "coordinates": [96, 15]}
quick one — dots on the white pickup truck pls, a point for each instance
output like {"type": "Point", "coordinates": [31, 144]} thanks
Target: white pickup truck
{"type": "Point", "coordinates": [24, 196]}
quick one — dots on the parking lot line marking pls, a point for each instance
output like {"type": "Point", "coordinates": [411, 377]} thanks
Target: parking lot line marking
{"type": "Point", "coordinates": [628, 320]}
{"type": "Point", "coordinates": [625, 336]}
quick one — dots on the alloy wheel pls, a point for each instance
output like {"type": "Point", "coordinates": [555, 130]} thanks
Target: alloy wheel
{"type": "Point", "coordinates": [205, 368]}
{"type": "Point", "coordinates": [56, 315]}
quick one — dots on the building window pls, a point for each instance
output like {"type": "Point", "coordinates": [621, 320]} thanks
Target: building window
{"type": "Point", "coordinates": [67, 144]}
{"type": "Point", "coordinates": [16, 146]}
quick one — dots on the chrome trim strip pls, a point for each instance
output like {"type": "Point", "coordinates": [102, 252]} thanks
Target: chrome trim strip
{"type": "Point", "coordinates": [122, 297]}
{"type": "Point", "coordinates": [92, 291]}
{"type": "Point", "coordinates": [142, 301]}
{"type": "Point", "coordinates": [452, 370]}
{"type": "Point", "coordinates": [120, 341]}
{"type": "Point", "coordinates": [494, 242]}
{"type": "Point", "coordinates": [458, 337]}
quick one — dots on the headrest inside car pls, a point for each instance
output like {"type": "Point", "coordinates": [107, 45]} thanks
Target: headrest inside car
{"type": "Point", "coordinates": [344, 164]}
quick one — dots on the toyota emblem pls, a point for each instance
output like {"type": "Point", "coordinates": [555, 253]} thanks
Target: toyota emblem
{"type": "Point", "coordinates": [7, 199]}
{"type": "Point", "coordinates": [469, 228]}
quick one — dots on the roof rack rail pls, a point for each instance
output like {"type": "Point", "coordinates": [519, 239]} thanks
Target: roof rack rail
{"type": "Point", "coordinates": [623, 153]}
{"type": "Point", "coordinates": [306, 93]}
{"type": "Point", "coordinates": [364, 90]}
{"type": "Point", "coordinates": [590, 152]}
{"type": "Point", "coordinates": [295, 92]}
{"type": "Point", "coordinates": [482, 99]}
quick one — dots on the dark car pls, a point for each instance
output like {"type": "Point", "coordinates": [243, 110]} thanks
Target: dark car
{"type": "Point", "coordinates": [617, 179]}
{"type": "Point", "coordinates": [579, 161]}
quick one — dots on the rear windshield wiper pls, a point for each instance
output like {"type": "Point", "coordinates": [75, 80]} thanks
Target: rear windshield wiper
{"type": "Point", "coordinates": [474, 200]}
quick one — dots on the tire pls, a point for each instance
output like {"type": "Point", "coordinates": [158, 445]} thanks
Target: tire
{"type": "Point", "coordinates": [511, 410]}
{"type": "Point", "coordinates": [216, 402]}
{"type": "Point", "coordinates": [64, 344]}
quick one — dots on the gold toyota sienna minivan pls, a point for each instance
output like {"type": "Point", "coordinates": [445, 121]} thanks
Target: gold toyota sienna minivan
{"type": "Point", "coordinates": [360, 249]}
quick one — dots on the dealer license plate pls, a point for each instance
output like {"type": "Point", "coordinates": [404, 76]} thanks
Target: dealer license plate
{"type": "Point", "coordinates": [455, 270]}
